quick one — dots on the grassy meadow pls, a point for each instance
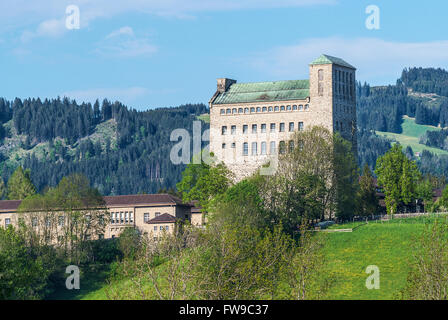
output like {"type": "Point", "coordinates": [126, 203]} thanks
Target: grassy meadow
{"type": "Point", "coordinates": [411, 134]}
{"type": "Point", "coordinates": [386, 244]}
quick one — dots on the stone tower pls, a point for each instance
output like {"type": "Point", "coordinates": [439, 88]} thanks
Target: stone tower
{"type": "Point", "coordinates": [251, 122]}
{"type": "Point", "coordinates": [333, 95]}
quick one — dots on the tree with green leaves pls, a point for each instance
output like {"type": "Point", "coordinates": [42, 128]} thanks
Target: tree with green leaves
{"type": "Point", "coordinates": [425, 193]}
{"type": "Point", "coordinates": [346, 178]}
{"type": "Point", "coordinates": [428, 276]}
{"type": "Point", "coordinates": [22, 275]}
{"type": "Point", "coordinates": [67, 216]}
{"type": "Point", "coordinates": [398, 176]}
{"type": "Point", "coordinates": [203, 182]}
{"type": "Point", "coordinates": [317, 180]}
{"type": "Point", "coordinates": [3, 190]}
{"type": "Point", "coordinates": [443, 201]}
{"type": "Point", "coordinates": [368, 201]}
{"type": "Point", "coordinates": [20, 185]}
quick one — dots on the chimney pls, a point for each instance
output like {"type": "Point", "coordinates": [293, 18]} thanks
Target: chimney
{"type": "Point", "coordinates": [224, 84]}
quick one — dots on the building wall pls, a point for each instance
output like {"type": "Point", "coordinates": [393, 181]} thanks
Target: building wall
{"type": "Point", "coordinates": [197, 219]}
{"type": "Point", "coordinates": [325, 108]}
{"type": "Point", "coordinates": [4, 218]}
{"type": "Point", "coordinates": [135, 218]}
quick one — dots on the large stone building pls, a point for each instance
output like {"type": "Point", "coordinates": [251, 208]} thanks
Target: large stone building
{"type": "Point", "coordinates": [252, 122]}
{"type": "Point", "coordinates": [152, 214]}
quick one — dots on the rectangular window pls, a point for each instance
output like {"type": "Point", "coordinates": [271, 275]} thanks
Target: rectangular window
{"type": "Point", "coordinates": [126, 218]}
{"type": "Point", "coordinates": [321, 74]}
{"type": "Point", "coordinates": [263, 148]}
{"type": "Point", "coordinates": [272, 127]}
{"type": "Point", "coordinates": [272, 147]}
{"type": "Point", "coordinates": [34, 222]}
{"type": "Point", "coordinates": [291, 126]}
{"type": "Point", "coordinates": [245, 128]}
{"type": "Point", "coordinates": [131, 217]}
{"type": "Point", "coordinates": [233, 129]}
{"type": "Point", "coordinates": [167, 228]}
{"type": "Point", "coordinates": [121, 217]}
{"type": "Point", "coordinates": [233, 145]}
{"type": "Point", "coordinates": [7, 222]}
{"type": "Point", "coordinates": [291, 146]}
{"type": "Point", "coordinates": [223, 145]}
{"type": "Point", "coordinates": [254, 128]}
{"type": "Point", "coordinates": [282, 127]}
{"type": "Point", "coordinates": [282, 147]}
{"type": "Point", "coordinates": [263, 127]}
{"type": "Point", "coordinates": [161, 228]}
{"type": "Point", "coordinates": [155, 228]}
{"type": "Point", "coordinates": [245, 149]}
{"type": "Point", "coordinates": [157, 214]}
{"type": "Point", "coordinates": [61, 221]}
{"type": "Point", "coordinates": [146, 217]}
{"type": "Point", "coordinates": [300, 126]}
{"type": "Point", "coordinates": [254, 148]}
{"type": "Point", "coordinates": [321, 89]}
{"type": "Point", "coordinates": [224, 130]}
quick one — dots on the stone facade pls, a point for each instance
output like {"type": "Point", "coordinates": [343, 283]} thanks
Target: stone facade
{"type": "Point", "coordinates": [251, 123]}
{"type": "Point", "coordinates": [152, 214]}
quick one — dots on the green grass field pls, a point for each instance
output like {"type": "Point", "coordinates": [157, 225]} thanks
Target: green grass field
{"type": "Point", "coordinates": [386, 244]}
{"type": "Point", "coordinates": [411, 135]}
{"type": "Point", "coordinates": [204, 117]}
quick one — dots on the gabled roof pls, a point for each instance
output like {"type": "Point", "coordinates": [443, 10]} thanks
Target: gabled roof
{"type": "Point", "coordinates": [264, 92]}
{"type": "Point", "coordinates": [9, 205]}
{"type": "Point", "coordinates": [141, 199]}
{"type": "Point", "coordinates": [114, 201]}
{"type": "Point", "coordinates": [326, 59]}
{"type": "Point", "coordinates": [163, 218]}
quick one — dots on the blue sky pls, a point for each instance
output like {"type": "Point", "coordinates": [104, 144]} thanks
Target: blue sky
{"type": "Point", "coordinates": [159, 53]}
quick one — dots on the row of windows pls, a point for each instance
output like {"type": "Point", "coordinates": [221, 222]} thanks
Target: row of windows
{"type": "Point", "coordinates": [344, 108]}
{"type": "Point", "coordinates": [344, 76]}
{"type": "Point", "coordinates": [344, 84]}
{"type": "Point", "coordinates": [161, 228]}
{"type": "Point", "coordinates": [263, 128]}
{"type": "Point", "coordinates": [263, 145]}
{"type": "Point", "coordinates": [341, 127]}
{"type": "Point", "coordinates": [121, 217]}
{"type": "Point", "coordinates": [146, 216]}
{"type": "Point", "coordinates": [264, 109]}
{"type": "Point", "coordinates": [61, 221]}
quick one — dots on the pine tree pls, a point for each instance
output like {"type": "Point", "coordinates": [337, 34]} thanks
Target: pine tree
{"type": "Point", "coordinates": [20, 185]}
{"type": "Point", "coordinates": [367, 193]}
{"type": "Point", "coordinates": [2, 189]}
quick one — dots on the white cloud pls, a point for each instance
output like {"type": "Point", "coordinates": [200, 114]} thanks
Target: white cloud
{"type": "Point", "coordinates": [375, 59]}
{"type": "Point", "coordinates": [14, 14]}
{"type": "Point", "coordinates": [125, 95]}
{"type": "Point", "coordinates": [49, 28]}
{"type": "Point", "coordinates": [122, 31]}
{"type": "Point", "coordinates": [124, 43]}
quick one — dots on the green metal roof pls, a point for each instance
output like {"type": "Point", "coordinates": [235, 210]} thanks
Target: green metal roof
{"type": "Point", "coordinates": [265, 91]}
{"type": "Point", "coordinates": [326, 59]}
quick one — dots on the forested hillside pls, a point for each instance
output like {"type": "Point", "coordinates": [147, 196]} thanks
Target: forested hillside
{"type": "Point", "coordinates": [125, 151]}
{"type": "Point", "coordinates": [420, 94]}
{"type": "Point", "coordinates": [121, 151]}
